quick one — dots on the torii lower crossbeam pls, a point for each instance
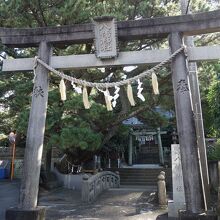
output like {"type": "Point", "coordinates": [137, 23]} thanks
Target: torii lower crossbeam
{"type": "Point", "coordinates": [206, 53]}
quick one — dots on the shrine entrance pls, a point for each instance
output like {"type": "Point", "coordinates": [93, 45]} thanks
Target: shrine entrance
{"type": "Point", "coordinates": [147, 151]}
{"type": "Point", "coordinates": [107, 54]}
{"type": "Point", "coordinates": [148, 146]}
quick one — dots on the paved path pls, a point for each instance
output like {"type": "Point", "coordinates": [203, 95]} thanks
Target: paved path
{"type": "Point", "coordinates": [114, 204]}
{"type": "Point", "coordinates": [9, 194]}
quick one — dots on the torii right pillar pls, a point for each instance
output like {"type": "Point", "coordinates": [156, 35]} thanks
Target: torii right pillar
{"type": "Point", "coordinates": [186, 130]}
{"type": "Point", "coordinates": [195, 201]}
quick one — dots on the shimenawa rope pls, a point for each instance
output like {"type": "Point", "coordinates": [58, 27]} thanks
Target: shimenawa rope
{"type": "Point", "coordinates": [99, 86]}
{"type": "Point", "coordinates": [85, 83]}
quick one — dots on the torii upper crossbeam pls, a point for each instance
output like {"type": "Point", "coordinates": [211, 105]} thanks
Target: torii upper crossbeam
{"type": "Point", "coordinates": [200, 23]}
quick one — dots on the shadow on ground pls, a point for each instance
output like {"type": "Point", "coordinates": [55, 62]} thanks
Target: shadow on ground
{"type": "Point", "coordinates": [114, 204]}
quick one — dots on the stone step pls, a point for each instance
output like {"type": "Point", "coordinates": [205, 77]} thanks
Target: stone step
{"type": "Point", "coordinates": [139, 170]}
{"type": "Point", "coordinates": [138, 177]}
{"type": "Point", "coordinates": [138, 183]}
{"type": "Point", "coordinates": [148, 161]}
{"type": "Point", "coordinates": [141, 176]}
{"type": "Point", "coordinates": [131, 169]}
{"type": "Point", "coordinates": [146, 173]}
{"type": "Point", "coordinates": [135, 188]}
{"type": "Point", "coordinates": [142, 182]}
{"type": "Point", "coordinates": [153, 178]}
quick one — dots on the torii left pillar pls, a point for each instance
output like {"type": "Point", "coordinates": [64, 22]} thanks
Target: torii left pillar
{"type": "Point", "coordinates": [27, 208]}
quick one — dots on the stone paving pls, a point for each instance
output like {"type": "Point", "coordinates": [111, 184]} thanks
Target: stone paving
{"type": "Point", "coordinates": [114, 204]}
{"type": "Point", "coordinates": [9, 193]}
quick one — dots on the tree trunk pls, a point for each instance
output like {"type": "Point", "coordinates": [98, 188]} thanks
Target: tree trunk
{"type": "Point", "coordinates": [48, 160]}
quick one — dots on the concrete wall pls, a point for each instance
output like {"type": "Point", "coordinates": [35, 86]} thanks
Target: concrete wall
{"type": "Point", "coordinates": [18, 168]}
{"type": "Point", "coordinates": [214, 174]}
{"type": "Point", "coordinates": [69, 181]}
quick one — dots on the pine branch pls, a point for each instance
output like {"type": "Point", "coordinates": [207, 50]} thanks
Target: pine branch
{"type": "Point", "coordinates": [41, 12]}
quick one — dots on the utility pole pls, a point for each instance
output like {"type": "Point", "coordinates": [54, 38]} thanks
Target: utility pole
{"type": "Point", "coordinates": [12, 140]}
{"type": "Point", "coordinates": [197, 111]}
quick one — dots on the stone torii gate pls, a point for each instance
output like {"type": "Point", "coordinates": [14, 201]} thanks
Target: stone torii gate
{"type": "Point", "coordinates": [174, 28]}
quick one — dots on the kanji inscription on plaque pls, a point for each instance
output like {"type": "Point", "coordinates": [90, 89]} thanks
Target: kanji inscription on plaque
{"type": "Point", "coordinates": [38, 91]}
{"type": "Point", "coordinates": [182, 86]}
{"type": "Point", "coordinates": [105, 37]}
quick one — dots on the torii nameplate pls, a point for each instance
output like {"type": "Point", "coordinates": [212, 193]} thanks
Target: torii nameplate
{"type": "Point", "coordinates": [105, 37]}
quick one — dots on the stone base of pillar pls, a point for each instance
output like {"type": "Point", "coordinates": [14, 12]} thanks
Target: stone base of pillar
{"type": "Point", "coordinates": [183, 215]}
{"type": "Point", "coordinates": [20, 214]}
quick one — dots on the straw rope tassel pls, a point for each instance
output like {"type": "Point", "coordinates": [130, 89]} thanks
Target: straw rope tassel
{"type": "Point", "coordinates": [130, 95]}
{"type": "Point", "coordinates": [108, 100]}
{"type": "Point", "coordinates": [62, 87]}
{"type": "Point", "coordinates": [85, 98]}
{"type": "Point", "coordinates": [155, 84]}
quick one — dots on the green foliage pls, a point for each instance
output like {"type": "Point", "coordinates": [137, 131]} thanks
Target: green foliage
{"type": "Point", "coordinates": [69, 126]}
{"type": "Point", "coordinates": [214, 152]}
{"type": "Point", "coordinates": [119, 141]}
{"type": "Point", "coordinates": [80, 137]}
{"type": "Point", "coordinates": [210, 89]}
{"type": "Point", "coordinates": [213, 98]}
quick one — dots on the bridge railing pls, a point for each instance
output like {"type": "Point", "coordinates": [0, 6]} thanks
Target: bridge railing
{"type": "Point", "coordinates": [94, 185]}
